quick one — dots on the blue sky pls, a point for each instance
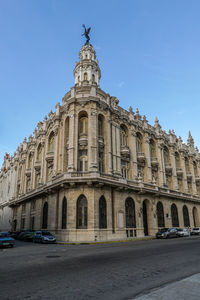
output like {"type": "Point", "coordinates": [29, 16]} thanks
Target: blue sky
{"type": "Point", "coordinates": [148, 52]}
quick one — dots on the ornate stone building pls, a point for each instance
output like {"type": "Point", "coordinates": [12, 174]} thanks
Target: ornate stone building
{"type": "Point", "coordinates": [94, 171]}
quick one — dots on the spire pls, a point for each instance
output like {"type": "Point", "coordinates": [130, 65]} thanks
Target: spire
{"type": "Point", "coordinates": [190, 140]}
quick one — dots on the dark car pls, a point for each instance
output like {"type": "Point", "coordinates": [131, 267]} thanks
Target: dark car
{"type": "Point", "coordinates": [14, 234]}
{"type": "Point", "coordinates": [43, 236]}
{"type": "Point", "coordinates": [25, 234]}
{"type": "Point", "coordinates": [165, 233]}
{"type": "Point", "coordinates": [6, 240]}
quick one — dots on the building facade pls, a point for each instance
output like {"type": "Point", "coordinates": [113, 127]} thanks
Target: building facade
{"type": "Point", "coordinates": [94, 171]}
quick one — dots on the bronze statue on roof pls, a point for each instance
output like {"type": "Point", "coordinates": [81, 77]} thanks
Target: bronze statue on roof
{"type": "Point", "coordinates": [86, 34]}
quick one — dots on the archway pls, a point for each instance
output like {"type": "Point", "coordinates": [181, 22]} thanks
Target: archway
{"type": "Point", "coordinates": [45, 216]}
{"type": "Point", "coordinates": [160, 215]}
{"type": "Point", "coordinates": [145, 218]}
{"type": "Point", "coordinates": [102, 213]}
{"type": "Point", "coordinates": [174, 214]}
{"type": "Point", "coordinates": [186, 218]}
{"type": "Point", "coordinates": [64, 213]}
{"type": "Point", "coordinates": [130, 213]}
{"type": "Point", "coordinates": [81, 213]}
{"type": "Point", "coordinates": [195, 217]}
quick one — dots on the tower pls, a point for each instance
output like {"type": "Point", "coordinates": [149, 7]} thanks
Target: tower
{"type": "Point", "coordinates": [87, 70]}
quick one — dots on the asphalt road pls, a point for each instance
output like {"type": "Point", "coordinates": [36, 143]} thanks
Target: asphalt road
{"type": "Point", "coordinates": [102, 271]}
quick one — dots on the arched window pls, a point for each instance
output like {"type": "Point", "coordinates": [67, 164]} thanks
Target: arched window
{"type": "Point", "coordinates": [130, 213]}
{"type": "Point", "coordinates": [39, 152]}
{"type": "Point", "coordinates": [45, 216]}
{"type": "Point", "coordinates": [195, 168]}
{"type": "Point", "coordinates": [152, 149]}
{"type": "Point", "coordinates": [138, 142]}
{"type": "Point", "coordinates": [186, 216]}
{"type": "Point", "coordinates": [123, 136]}
{"type": "Point", "coordinates": [83, 160]}
{"type": "Point", "coordinates": [81, 213]}
{"type": "Point", "coordinates": [177, 159]}
{"type": "Point", "coordinates": [30, 160]}
{"type": "Point", "coordinates": [83, 125]}
{"type": "Point", "coordinates": [160, 215]}
{"type": "Point", "coordinates": [100, 126]}
{"type": "Point", "coordinates": [93, 78]}
{"type": "Point", "coordinates": [64, 213]}
{"type": "Point", "coordinates": [174, 214]}
{"type": "Point", "coordinates": [187, 167]}
{"type": "Point", "coordinates": [85, 76]}
{"type": "Point", "coordinates": [51, 142]}
{"type": "Point", "coordinates": [166, 156]}
{"type": "Point", "coordinates": [102, 213]}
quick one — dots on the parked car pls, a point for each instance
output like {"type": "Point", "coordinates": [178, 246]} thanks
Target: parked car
{"type": "Point", "coordinates": [28, 236]}
{"type": "Point", "coordinates": [5, 240]}
{"type": "Point", "coordinates": [195, 231]}
{"type": "Point", "coordinates": [43, 236]}
{"type": "Point", "coordinates": [14, 234]}
{"type": "Point", "coordinates": [165, 233]}
{"type": "Point", "coordinates": [182, 232]}
{"type": "Point", "coordinates": [23, 234]}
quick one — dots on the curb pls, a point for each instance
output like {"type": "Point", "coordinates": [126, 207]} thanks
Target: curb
{"type": "Point", "coordinates": [106, 242]}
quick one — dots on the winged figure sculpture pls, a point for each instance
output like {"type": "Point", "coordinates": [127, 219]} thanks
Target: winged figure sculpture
{"type": "Point", "coordinates": [86, 34]}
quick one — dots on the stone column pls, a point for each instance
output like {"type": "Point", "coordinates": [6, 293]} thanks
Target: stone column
{"type": "Point", "coordinates": [133, 154]}
{"type": "Point", "coordinates": [110, 147]}
{"type": "Point", "coordinates": [42, 163]}
{"type": "Point", "coordinates": [174, 175]}
{"type": "Point", "coordinates": [161, 168]}
{"type": "Point", "coordinates": [194, 188]}
{"type": "Point", "coordinates": [182, 164]}
{"type": "Point", "coordinates": [71, 150]}
{"type": "Point", "coordinates": [55, 165]}
{"type": "Point", "coordinates": [147, 168]}
{"type": "Point", "coordinates": [93, 140]}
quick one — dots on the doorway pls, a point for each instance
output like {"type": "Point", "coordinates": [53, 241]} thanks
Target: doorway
{"type": "Point", "coordinates": [145, 219]}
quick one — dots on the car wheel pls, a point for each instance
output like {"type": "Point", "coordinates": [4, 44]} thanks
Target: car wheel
{"type": "Point", "coordinates": [11, 246]}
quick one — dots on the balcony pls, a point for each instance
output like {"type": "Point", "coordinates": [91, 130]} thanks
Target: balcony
{"type": "Point", "coordinates": [28, 172]}
{"type": "Point", "coordinates": [197, 179]}
{"type": "Point", "coordinates": [83, 139]}
{"type": "Point", "coordinates": [101, 142]}
{"type": "Point", "coordinates": [154, 162]}
{"type": "Point", "coordinates": [37, 165]}
{"type": "Point", "coordinates": [125, 152]}
{"type": "Point", "coordinates": [50, 155]}
{"type": "Point", "coordinates": [189, 177]}
{"type": "Point", "coordinates": [179, 173]}
{"type": "Point", "coordinates": [168, 169]}
{"type": "Point", "coordinates": [141, 158]}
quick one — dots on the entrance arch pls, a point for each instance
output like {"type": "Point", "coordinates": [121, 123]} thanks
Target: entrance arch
{"type": "Point", "coordinates": [147, 218]}
{"type": "Point", "coordinates": [160, 215]}
{"type": "Point", "coordinates": [195, 217]}
{"type": "Point", "coordinates": [45, 216]}
{"type": "Point", "coordinates": [130, 213]}
{"type": "Point", "coordinates": [186, 218]}
{"type": "Point", "coordinates": [174, 214]}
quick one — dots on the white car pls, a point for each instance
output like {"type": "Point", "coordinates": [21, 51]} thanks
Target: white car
{"type": "Point", "coordinates": [195, 230]}
{"type": "Point", "coordinates": [182, 232]}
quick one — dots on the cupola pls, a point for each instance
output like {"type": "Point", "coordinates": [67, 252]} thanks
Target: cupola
{"type": "Point", "coordinates": [87, 71]}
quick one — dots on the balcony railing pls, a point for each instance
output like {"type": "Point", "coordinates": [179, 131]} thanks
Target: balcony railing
{"type": "Point", "coordinates": [83, 139]}
{"type": "Point", "coordinates": [179, 172]}
{"type": "Point", "coordinates": [125, 151]}
{"type": "Point", "coordinates": [168, 169]}
{"type": "Point", "coordinates": [141, 157]}
{"type": "Point", "coordinates": [154, 162]}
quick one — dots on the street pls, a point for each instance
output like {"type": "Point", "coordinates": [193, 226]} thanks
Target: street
{"type": "Point", "coordinates": [101, 271]}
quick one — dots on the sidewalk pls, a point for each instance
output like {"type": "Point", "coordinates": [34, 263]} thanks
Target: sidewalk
{"type": "Point", "coordinates": [186, 289]}
{"type": "Point", "coordinates": [107, 242]}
